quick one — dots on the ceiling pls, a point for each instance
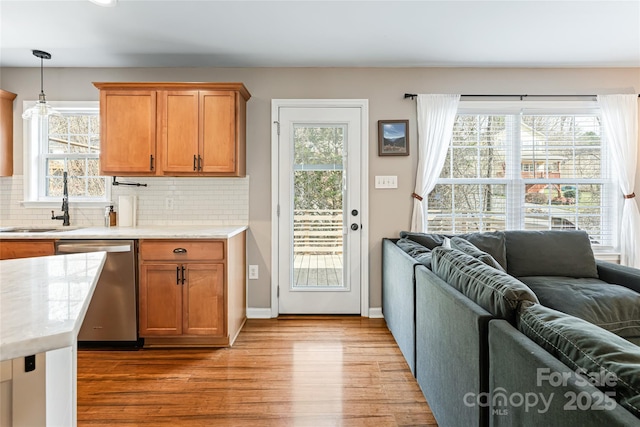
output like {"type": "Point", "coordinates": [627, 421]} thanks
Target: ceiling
{"type": "Point", "coordinates": [210, 33]}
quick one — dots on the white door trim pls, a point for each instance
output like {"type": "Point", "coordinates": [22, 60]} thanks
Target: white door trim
{"type": "Point", "coordinates": [363, 105]}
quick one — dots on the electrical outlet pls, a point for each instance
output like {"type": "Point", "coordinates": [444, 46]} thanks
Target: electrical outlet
{"type": "Point", "coordinates": [253, 272]}
{"type": "Point", "coordinates": [168, 204]}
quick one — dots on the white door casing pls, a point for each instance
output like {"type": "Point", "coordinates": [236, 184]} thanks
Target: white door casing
{"type": "Point", "coordinates": [351, 295]}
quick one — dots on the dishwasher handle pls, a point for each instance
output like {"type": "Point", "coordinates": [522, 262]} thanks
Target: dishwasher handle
{"type": "Point", "coordinates": [71, 248]}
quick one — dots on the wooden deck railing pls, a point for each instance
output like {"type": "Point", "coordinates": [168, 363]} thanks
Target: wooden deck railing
{"type": "Point", "coordinates": [317, 231]}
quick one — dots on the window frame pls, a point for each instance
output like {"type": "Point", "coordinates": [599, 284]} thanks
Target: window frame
{"type": "Point", "coordinates": [513, 180]}
{"type": "Point", "coordinates": [34, 161]}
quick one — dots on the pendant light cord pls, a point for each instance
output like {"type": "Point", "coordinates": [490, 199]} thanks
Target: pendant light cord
{"type": "Point", "coordinates": [41, 76]}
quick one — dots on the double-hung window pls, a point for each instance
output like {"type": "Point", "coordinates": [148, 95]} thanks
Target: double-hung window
{"type": "Point", "coordinates": [533, 166]}
{"type": "Point", "coordinates": [71, 144]}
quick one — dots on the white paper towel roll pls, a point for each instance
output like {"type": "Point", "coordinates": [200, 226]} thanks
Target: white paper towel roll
{"type": "Point", "coordinates": [127, 210]}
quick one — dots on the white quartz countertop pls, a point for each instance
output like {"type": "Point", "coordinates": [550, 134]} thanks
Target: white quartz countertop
{"type": "Point", "coordinates": [139, 232]}
{"type": "Point", "coordinates": [43, 301]}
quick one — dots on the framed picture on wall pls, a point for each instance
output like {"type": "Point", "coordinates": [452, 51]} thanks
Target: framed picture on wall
{"type": "Point", "coordinates": [393, 137]}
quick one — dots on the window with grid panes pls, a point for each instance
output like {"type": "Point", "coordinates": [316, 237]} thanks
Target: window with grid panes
{"type": "Point", "coordinates": [69, 143]}
{"type": "Point", "coordinates": [536, 169]}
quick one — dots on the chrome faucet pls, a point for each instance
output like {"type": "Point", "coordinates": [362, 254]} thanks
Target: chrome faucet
{"type": "Point", "coordinates": [65, 203]}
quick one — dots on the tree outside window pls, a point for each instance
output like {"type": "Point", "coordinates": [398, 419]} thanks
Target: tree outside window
{"type": "Point", "coordinates": [68, 143]}
{"type": "Point", "coordinates": [524, 171]}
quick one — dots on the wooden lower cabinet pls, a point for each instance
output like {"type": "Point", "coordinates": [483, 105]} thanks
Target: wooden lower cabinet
{"type": "Point", "coordinates": [192, 292]}
{"type": "Point", "coordinates": [12, 249]}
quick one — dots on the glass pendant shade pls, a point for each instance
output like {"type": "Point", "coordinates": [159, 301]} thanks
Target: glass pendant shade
{"type": "Point", "coordinates": [42, 108]}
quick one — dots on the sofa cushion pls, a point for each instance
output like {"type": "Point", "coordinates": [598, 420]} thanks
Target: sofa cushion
{"type": "Point", "coordinates": [492, 242]}
{"type": "Point", "coordinates": [612, 307]}
{"type": "Point", "coordinates": [416, 250]}
{"type": "Point", "coordinates": [550, 253]}
{"type": "Point", "coordinates": [493, 290]}
{"type": "Point", "coordinates": [470, 249]}
{"type": "Point", "coordinates": [613, 362]}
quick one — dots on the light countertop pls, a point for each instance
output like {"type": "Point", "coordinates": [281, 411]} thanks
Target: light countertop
{"type": "Point", "coordinates": [138, 232]}
{"type": "Point", "coordinates": [43, 301]}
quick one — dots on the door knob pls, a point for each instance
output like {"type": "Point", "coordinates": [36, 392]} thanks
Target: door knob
{"type": "Point", "coordinates": [354, 226]}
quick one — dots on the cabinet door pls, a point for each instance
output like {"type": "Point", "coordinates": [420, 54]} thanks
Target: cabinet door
{"type": "Point", "coordinates": [179, 112]}
{"type": "Point", "coordinates": [203, 300]}
{"type": "Point", "coordinates": [127, 132]}
{"type": "Point", "coordinates": [6, 132]}
{"type": "Point", "coordinates": [218, 139]}
{"type": "Point", "coordinates": [160, 300]}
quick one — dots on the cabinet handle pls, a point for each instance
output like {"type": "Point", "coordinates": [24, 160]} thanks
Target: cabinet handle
{"type": "Point", "coordinates": [179, 251]}
{"type": "Point", "coordinates": [177, 275]}
{"type": "Point", "coordinates": [199, 162]}
{"type": "Point", "coordinates": [151, 161]}
{"type": "Point", "coordinates": [182, 274]}
{"type": "Point", "coordinates": [194, 162]}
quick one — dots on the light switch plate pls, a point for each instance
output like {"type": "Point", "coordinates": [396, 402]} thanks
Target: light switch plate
{"type": "Point", "coordinates": [386, 181]}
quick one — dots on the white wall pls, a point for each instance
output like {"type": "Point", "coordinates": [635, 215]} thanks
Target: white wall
{"type": "Point", "coordinates": [389, 210]}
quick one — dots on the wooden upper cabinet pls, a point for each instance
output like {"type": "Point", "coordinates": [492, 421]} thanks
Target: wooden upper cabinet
{"type": "Point", "coordinates": [218, 139]}
{"type": "Point", "coordinates": [199, 128]}
{"type": "Point", "coordinates": [128, 132]}
{"type": "Point", "coordinates": [6, 132]}
{"type": "Point", "coordinates": [179, 118]}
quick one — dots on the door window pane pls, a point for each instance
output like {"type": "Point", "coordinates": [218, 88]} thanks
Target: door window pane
{"type": "Point", "coordinates": [318, 187]}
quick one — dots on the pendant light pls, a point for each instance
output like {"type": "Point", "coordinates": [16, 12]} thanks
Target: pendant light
{"type": "Point", "coordinates": [42, 108]}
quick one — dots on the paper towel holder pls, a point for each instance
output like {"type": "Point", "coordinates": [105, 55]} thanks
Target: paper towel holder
{"type": "Point", "coordinates": [135, 184]}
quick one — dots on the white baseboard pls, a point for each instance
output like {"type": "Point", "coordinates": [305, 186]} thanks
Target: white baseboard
{"type": "Point", "coordinates": [258, 313]}
{"type": "Point", "coordinates": [265, 313]}
{"type": "Point", "coordinates": [375, 312]}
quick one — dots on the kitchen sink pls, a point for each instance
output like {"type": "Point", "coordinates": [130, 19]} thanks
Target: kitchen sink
{"type": "Point", "coordinates": [34, 229]}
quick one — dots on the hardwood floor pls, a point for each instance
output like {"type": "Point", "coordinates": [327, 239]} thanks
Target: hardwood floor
{"type": "Point", "coordinates": [291, 371]}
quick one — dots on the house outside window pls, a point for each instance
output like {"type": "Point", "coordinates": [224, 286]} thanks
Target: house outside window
{"type": "Point", "coordinates": [536, 168]}
{"type": "Point", "coordinates": [69, 143]}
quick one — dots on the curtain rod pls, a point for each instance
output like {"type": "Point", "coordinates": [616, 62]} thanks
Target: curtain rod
{"type": "Point", "coordinates": [413, 95]}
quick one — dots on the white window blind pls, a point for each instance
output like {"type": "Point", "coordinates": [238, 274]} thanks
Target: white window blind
{"type": "Point", "coordinates": [535, 169]}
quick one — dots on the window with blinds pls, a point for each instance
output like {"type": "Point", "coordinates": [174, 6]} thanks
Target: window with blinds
{"type": "Point", "coordinates": [531, 170]}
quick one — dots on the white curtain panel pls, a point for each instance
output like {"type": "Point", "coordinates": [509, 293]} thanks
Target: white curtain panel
{"type": "Point", "coordinates": [620, 121]}
{"type": "Point", "coordinates": [436, 116]}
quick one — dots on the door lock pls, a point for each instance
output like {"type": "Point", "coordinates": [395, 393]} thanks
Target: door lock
{"type": "Point", "coordinates": [354, 226]}
{"type": "Point", "coordinates": [354, 212]}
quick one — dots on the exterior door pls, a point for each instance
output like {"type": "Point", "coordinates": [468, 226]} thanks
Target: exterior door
{"type": "Point", "coordinates": [319, 210]}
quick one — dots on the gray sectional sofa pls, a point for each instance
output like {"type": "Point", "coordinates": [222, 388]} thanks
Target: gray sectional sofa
{"type": "Point", "coordinates": [491, 343]}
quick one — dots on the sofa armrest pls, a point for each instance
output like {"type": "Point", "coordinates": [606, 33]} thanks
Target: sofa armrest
{"type": "Point", "coordinates": [521, 368]}
{"type": "Point", "coordinates": [619, 274]}
{"type": "Point", "coordinates": [399, 298]}
{"type": "Point", "coordinates": [451, 350]}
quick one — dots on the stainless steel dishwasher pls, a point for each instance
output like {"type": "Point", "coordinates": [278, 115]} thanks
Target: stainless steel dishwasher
{"type": "Point", "coordinates": [112, 314]}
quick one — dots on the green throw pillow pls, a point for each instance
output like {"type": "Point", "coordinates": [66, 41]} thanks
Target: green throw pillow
{"type": "Point", "coordinates": [550, 253]}
{"type": "Point", "coordinates": [416, 251]}
{"type": "Point", "coordinates": [612, 363]}
{"type": "Point", "coordinates": [491, 242]}
{"type": "Point", "coordinates": [492, 289]}
{"type": "Point", "coordinates": [470, 249]}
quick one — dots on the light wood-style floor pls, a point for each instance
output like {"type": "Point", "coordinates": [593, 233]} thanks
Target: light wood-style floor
{"type": "Point", "coordinates": [291, 371]}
